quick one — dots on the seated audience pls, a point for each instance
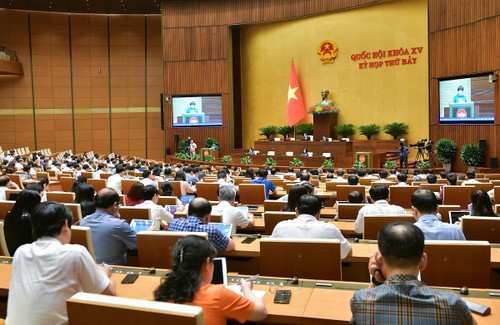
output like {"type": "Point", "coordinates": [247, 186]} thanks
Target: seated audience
{"type": "Point", "coordinates": [79, 180]}
{"type": "Point", "coordinates": [307, 225]}
{"type": "Point", "coordinates": [148, 178]}
{"type": "Point", "coordinates": [293, 197]}
{"type": "Point", "coordinates": [431, 179]}
{"type": "Point", "coordinates": [6, 184]}
{"type": "Point", "coordinates": [424, 206]}
{"type": "Point", "coordinates": [396, 296]}
{"type": "Point", "coordinates": [185, 187]}
{"type": "Point", "coordinates": [481, 205]}
{"type": "Point", "coordinates": [134, 195]}
{"type": "Point", "coordinates": [189, 283]}
{"type": "Point", "coordinates": [471, 178]}
{"type": "Point", "coordinates": [231, 214]}
{"type": "Point", "coordinates": [378, 196]}
{"type": "Point", "coordinates": [151, 195]}
{"type": "Point", "coordinates": [355, 197]}
{"type": "Point", "coordinates": [115, 181]}
{"type": "Point", "coordinates": [270, 189]}
{"type": "Point", "coordinates": [352, 180]}
{"type": "Point", "coordinates": [49, 271]}
{"type": "Point", "coordinates": [402, 178]}
{"type": "Point", "coordinates": [17, 223]}
{"type": "Point", "coordinates": [85, 195]}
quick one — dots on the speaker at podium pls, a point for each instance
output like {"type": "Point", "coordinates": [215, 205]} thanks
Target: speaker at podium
{"type": "Point", "coordinates": [193, 118]}
{"type": "Point", "coordinates": [462, 109]}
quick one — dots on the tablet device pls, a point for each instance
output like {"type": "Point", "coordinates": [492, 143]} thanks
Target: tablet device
{"type": "Point", "coordinates": [141, 224]}
{"type": "Point", "coordinates": [187, 198]}
{"type": "Point", "coordinates": [220, 271]}
{"type": "Point", "coordinates": [225, 228]}
{"type": "Point", "coordinates": [244, 210]}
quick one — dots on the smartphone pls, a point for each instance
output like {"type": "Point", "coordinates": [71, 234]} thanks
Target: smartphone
{"type": "Point", "coordinates": [130, 278]}
{"type": "Point", "coordinates": [282, 296]}
{"type": "Point", "coordinates": [248, 240]}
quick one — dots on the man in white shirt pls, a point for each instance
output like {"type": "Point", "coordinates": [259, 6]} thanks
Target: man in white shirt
{"type": "Point", "coordinates": [49, 271]}
{"type": "Point", "coordinates": [307, 225]}
{"type": "Point", "coordinates": [378, 195]}
{"type": "Point", "coordinates": [148, 178]}
{"type": "Point", "coordinates": [6, 184]}
{"type": "Point", "coordinates": [471, 178]}
{"type": "Point", "coordinates": [151, 195]}
{"type": "Point", "coordinates": [115, 181]}
{"type": "Point", "coordinates": [231, 214]}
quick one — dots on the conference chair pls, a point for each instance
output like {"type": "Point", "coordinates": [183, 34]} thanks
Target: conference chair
{"type": "Point", "coordinates": [98, 183]}
{"type": "Point", "coordinates": [95, 309]}
{"type": "Point", "coordinates": [209, 179]}
{"type": "Point", "coordinates": [16, 179]}
{"type": "Point", "coordinates": [444, 210]}
{"type": "Point", "coordinates": [332, 186]}
{"type": "Point", "coordinates": [63, 197]}
{"type": "Point", "coordinates": [4, 250]}
{"type": "Point", "coordinates": [105, 175]}
{"type": "Point", "coordinates": [5, 207]}
{"type": "Point", "coordinates": [374, 222]}
{"type": "Point", "coordinates": [67, 183]}
{"type": "Point", "coordinates": [207, 190]}
{"type": "Point", "coordinates": [272, 218]}
{"type": "Point", "coordinates": [88, 175]}
{"type": "Point", "coordinates": [176, 188]}
{"type": "Point", "coordinates": [457, 195]}
{"type": "Point", "coordinates": [167, 200]}
{"type": "Point", "coordinates": [383, 183]}
{"type": "Point", "coordinates": [344, 190]}
{"type": "Point", "coordinates": [366, 181]}
{"type": "Point", "coordinates": [288, 186]}
{"type": "Point", "coordinates": [154, 248]}
{"type": "Point", "coordinates": [303, 258]}
{"type": "Point", "coordinates": [76, 211]}
{"type": "Point", "coordinates": [129, 213]}
{"type": "Point", "coordinates": [348, 211]}
{"type": "Point", "coordinates": [9, 192]}
{"type": "Point", "coordinates": [274, 205]}
{"type": "Point", "coordinates": [483, 186]}
{"type": "Point", "coordinates": [42, 175]}
{"type": "Point", "coordinates": [127, 184]}
{"type": "Point", "coordinates": [252, 193]}
{"type": "Point", "coordinates": [401, 195]}
{"type": "Point", "coordinates": [432, 187]}
{"type": "Point", "coordinates": [238, 179]}
{"type": "Point", "coordinates": [82, 236]}
{"type": "Point", "coordinates": [457, 263]}
{"type": "Point", "coordinates": [215, 217]}
{"type": "Point", "coordinates": [481, 228]}
{"type": "Point", "coordinates": [494, 176]}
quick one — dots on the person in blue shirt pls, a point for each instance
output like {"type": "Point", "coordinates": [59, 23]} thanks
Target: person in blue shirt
{"type": "Point", "coordinates": [192, 108]}
{"type": "Point", "coordinates": [460, 97]}
{"type": "Point", "coordinates": [270, 188]}
{"type": "Point", "coordinates": [424, 206]}
{"type": "Point", "coordinates": [403, 152]}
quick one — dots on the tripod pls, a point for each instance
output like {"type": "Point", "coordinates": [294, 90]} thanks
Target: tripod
{"type": "Point", "coordinates": [420, 156]}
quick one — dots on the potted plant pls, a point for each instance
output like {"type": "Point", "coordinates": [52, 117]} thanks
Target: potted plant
{"type": "Point", "coordinates": [446, 150]}
{"type": "Point", "coordinates": [305, 128]}
{"type": "Point", "coordinates": [358, 165]}
{"type": "Point", "coordinates": [424, 165]}
{"type": "Point", "coordinates": [197, 157]}
{"type": "Point", "coordinates": [270, 162]}
{"type": "Point", "coordinates": [390, 164]}
{"type": "Point", "coordinates": [369, 130]}
{"type": "Point", "coordinates": [209, 158]}
{"type": "Point", "coordinates": [471, 155]}
{"type": "Point", "coordinates": [209, 142]}
{"type": "Point", "coordinates": [268, 131]}
{"type": "Point", "coordinates": [396, 129]}
{"type": "Point", "coordinates": [345, 130]}
{"type": "Point", "coordinates": [296, 162]}
{"type": "Point", "coordinates": [227, 159]}
{"type": "Point", "coordinates": [246, 160]}
{"type": "Point", "coordinates": [284, 130]}
{"type": "Point", "coordinates": [328, 163]}
{"type": "Point", "coordinates": [181, 155]}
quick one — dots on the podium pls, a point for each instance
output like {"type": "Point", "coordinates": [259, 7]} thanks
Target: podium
{"type": "Point", "coordinates": [193, 118]}
{"type": "Point", "coordinates": [462, 109]}
{"type": "Point", "coordinates": [324, 125]}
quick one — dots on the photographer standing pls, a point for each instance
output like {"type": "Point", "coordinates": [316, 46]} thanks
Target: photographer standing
{"type": "Point", "coordinates": [403, 154]}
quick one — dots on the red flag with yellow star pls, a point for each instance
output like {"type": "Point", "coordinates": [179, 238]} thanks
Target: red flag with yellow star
{"type": "Point", "coordinates": [295, 109]}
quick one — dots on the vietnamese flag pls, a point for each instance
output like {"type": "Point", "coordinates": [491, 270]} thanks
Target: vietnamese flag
{"type": "Point", "coordinates": [295, 109]}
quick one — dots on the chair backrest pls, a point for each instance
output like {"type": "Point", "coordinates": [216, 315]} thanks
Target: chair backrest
{"type": "Point", "coordinates": [4, 250]}
{"type": "Point", "coordinates": [457, 195]}
{"type": "Point", "coordinates": [105, 175]}
{"type": "Point", "coordinates": [66, 183]}
{"type": "Point", "coordinates": [272, 218]}
{"type": "Point", "coordinates": [82, 236]}
{"type": "Point", "coordinates": [5, 207]}
{"type": "Point", "coordinates": [274, 205]}
{"type": "Point", "coordinates": [89, 175]}
{"type": "Point", "coordinates": [288, 186]}
{"type": "Point", "coordinates": [401, 195]}
{"type": "Point", "coordinates": [483, 186]}
{"type": "Point", "coordinates": [216, 217]}
{"type": "Point", "coordinates": [94, 309]}
{"type": "Point", "coordinates": [176, 188]}
{"type": "Point", "coordinates": [373, 223]}
{"type": "Point", "coordinates": [348, 210]}
{"type": "Point", "coordinates": [366, 181]}
{"type": "Point", "coordinates": [43, 174]}
{"type": "Point", "coordinates": [76, 210]}
{"type": "Point", "coordinates": [167, 200]}
{"type": "Point", "coordinates": [332, 186]}
{"type": "Point", "coordinates": [252, 193]}
{"type": "Point", "coordinates": [207, 190]}
{"type": "Point", "coordinates": [481, 228]}
{"type": "Point", "coordinates": [9, 192]}
{"type": "Point", "coordinates": [63, 197]}
{"type": "Point", "coordinates": [16, 179]}
{"type": "Point", "coordinates": [494, 176]}
{"type": "Point", "coordinates": [154, 248]}
{"type": "Point", "coordinates": [127, 184]}
{"type": "Point", "coordinates": [98, 184]}
{"type": "Point", "coordinates": [432, 187]}
{"type": "Point", "coordinates": [344, 190]}
{"type": "Point", "coordinates": [457, 263]}
{"type": "Point", "coordinates": [304, 258]}
{"type": "Point", "coordinates": [444, 209]}
{"type": "Point", "coordinates": [129, 213]}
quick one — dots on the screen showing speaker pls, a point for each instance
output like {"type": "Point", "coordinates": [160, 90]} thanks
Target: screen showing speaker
{"type": "Point", "coordinates": [467, 100]}
{"type": "Point", "coordinates": [196, 110]}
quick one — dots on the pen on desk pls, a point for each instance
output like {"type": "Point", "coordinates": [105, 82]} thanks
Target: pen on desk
{"type": "Point", "coordinates": [251, 278]}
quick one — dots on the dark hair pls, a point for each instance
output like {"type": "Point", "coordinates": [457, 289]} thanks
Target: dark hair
{"type": "Point", "coordinates": [481, 204]}
{"type": "Point", "coordinates": [43, 181]}
{"type": "Point", "coordinates": [304, 176]}
{"type": "Point", "coordinates": [180, 175]}
{"type": "Point", "coordinates": [355, 197]}
{"type": "Point", "coordinates": [470, 174]}
{"type": "Point", "coordinates": [424, 200]}
{"type": "Point", "coordinates": [383, 174]}
{"type": "Point", "coordinates": [249, 173]}
{"type": "Point", "coordinates": [379, 192]}
{"type": "Point", "coordinates": [85, 192]}
{"type": "Point", "coordinates": [48, 219]}
{"type": "Point", "coordinates": [402, 177]}
{"type": "Point", "coordinates": [452, 178]}
{"type": "Point", "coordinates": [106, 197]}
{"type": "Point", "coordinates": [34, 187]}
{"type": "Point", "coordinates": [146, 173]}
{"type": "Point", "coordinates": [293, 197]}
{"type": "Point", "coordinates": [431, 179]}
{"type": "Point", "coordinates": [352, 180]}
{"type": "Point", "coordinates": [188, 256]}
{"type": "Point", "coordinates": [135, 192]}
{"type": "Point", "coordinates": [401, 244]}
{"type": "Point", "coordinates": [4, 180]}
{"type": "Point", "coordinates": [309, 188]}
{"type": "Point", "coordinates": [167, 189]}
{"type": "Point", "coordinates": [309, 204]}
{"type": "Point", "coordinates": [262, 173]}
{"type": "Point", "coordinates": [199, 208]}
{"type": "Point", "coordinates": [18, 221]}
{"type": "Point", "coordinates": [149, 191]}
{"type": "Point", "coordinates": [119, 169]}
{"type": "Point", "coordinates": [460, 88]}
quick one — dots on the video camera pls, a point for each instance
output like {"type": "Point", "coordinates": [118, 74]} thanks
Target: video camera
{"type": "Point", "coordinates": [420, 144]}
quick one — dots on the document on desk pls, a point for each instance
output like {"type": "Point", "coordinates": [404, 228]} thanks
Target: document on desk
{"type": "Point", "coordinates": [236, 288]}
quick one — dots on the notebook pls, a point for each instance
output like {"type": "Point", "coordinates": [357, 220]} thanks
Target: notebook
{"type": "Point", "coordinates": [225, 228]}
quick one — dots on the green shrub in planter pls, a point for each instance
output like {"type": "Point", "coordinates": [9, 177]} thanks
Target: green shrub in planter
{"type": "Point", "coordinates": [390, 164]}
{"type": "Point", "coordinates": [268, 131]}
{"type": "Point", "coordinates": [328, 163]}
{"type": "Point", "coordinates": [471, 155]}
{"type": "Point", "coordinates": [369, 130]}
{"type": "Point", "coordinates": [396, 129]}
{"type": "Point", "coordinates": [296, 162]}
{"type": "Point", "coordinates": [227, 159]}
{"type": "Point", "coordinates": [345, 130]}
{"type": "Point", "coordinates": [246, 160]}
{"type": "Point", "coordinates": [446, 150]}
{"type": "Point", "coordinates": [270, 162]}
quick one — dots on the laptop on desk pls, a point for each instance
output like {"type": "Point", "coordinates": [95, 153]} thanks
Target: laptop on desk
{"type": "Point", "coordinates": [455, 216]}
{"type": "Point", "coordinates": [225, 228]}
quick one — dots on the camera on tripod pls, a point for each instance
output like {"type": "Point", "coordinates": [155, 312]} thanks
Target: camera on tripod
{"type": "Point", "coordinates": [420, 144]}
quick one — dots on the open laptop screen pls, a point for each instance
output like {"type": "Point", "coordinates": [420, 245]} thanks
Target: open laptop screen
{"type": "Point", "coordinates": [225, 228]}
{"type": "Point", "coordinates": [455, 216]}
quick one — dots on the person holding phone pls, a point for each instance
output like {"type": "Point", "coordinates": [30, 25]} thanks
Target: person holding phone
{"type": "Point", "coordinates": [190, 283]}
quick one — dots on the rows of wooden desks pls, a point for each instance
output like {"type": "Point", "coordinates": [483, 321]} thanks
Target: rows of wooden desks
{"type": "Point", "coordinates": [310, 303]}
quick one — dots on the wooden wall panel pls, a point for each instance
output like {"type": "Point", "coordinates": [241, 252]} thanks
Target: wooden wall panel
{"type": "Point", "coordinates": [197, 43]}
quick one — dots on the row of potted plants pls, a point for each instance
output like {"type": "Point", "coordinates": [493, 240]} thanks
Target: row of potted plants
{"type": "Point", "coordinates": [470, 154]}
